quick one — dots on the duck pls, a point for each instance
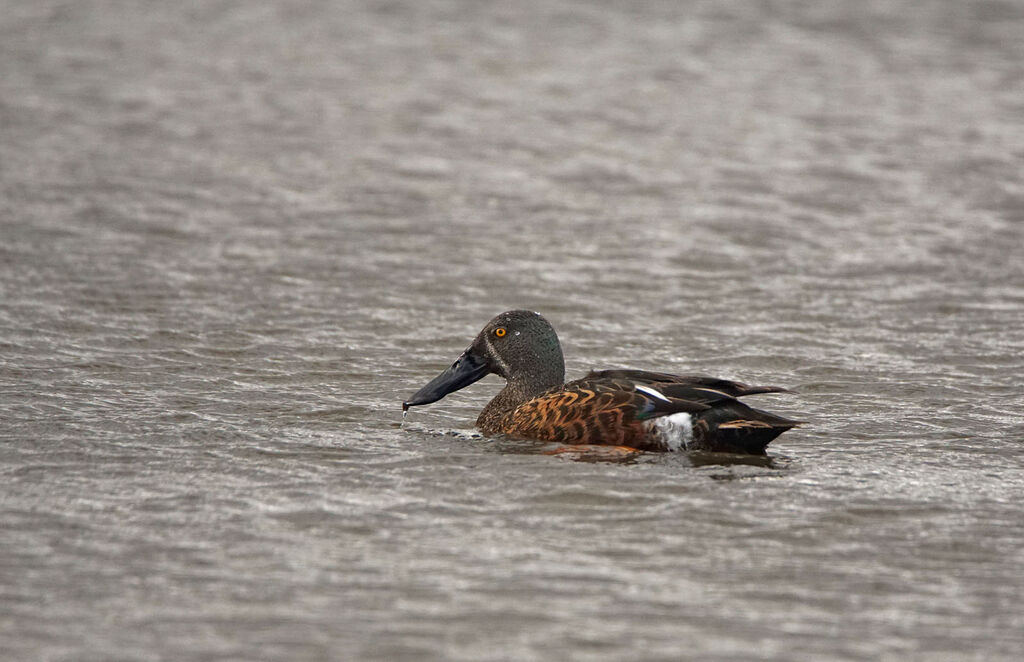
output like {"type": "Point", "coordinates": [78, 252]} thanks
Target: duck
{"type": "Point", "coordinates": [636, 409]}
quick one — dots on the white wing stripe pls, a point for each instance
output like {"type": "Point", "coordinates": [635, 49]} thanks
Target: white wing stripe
{"type": "Point", "coordinates": [651, 392]}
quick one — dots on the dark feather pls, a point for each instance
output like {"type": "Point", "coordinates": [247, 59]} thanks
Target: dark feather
{"type": "Point", "coordinates": [730, 388]}
{"type": "Point", "coordinates": [737, 428]}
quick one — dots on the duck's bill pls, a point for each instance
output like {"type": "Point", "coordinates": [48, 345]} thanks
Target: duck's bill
{"type": "Point", "coordinates": [467, 369]}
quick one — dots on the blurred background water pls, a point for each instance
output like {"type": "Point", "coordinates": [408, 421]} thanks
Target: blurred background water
{"type": "Point", "coordinates": [235, 235]}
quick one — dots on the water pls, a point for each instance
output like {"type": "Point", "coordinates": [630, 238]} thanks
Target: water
{"type": "Point", "coordinates": [236, 236]}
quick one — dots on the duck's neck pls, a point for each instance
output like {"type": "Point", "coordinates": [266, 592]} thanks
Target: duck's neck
{"type": "Point", "coordinates": [517, 391]}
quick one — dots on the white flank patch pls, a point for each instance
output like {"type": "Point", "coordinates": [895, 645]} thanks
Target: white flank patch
{"type": "Point", "coordinates": [651, 392]}
{"type": "Point", "coordinates": [675, 430]}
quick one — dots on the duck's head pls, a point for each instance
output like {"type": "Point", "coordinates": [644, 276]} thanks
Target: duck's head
{"type": "Point", "coordinates": [519, 345]}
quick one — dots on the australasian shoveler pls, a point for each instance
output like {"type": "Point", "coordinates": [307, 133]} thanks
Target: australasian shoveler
{"type": "Point", "coordinates": [650, 411]}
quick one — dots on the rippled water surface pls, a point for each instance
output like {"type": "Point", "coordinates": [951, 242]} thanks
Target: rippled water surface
{"type": "Point", "coordinates": [235, 235]}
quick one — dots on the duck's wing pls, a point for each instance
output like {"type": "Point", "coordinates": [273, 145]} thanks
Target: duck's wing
{"type": "Point", "coordinates": [710, 384]}
{"type": "Point", "coordinates": [595, 410]}
{"type": "Point", "coordinates": [726, 424]}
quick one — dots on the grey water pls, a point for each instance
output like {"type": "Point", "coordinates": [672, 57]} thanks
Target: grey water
{"type": "Point", "coordinates": [234, 236]}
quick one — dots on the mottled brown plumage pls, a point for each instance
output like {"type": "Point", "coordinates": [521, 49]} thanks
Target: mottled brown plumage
{"type": "Point", "coordinates": [635, 408]}
{"type": "Point", "coordinates": [575, 413]}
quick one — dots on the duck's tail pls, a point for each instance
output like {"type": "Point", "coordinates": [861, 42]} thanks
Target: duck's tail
{"type": "Point", "coordinates": [737, 428]}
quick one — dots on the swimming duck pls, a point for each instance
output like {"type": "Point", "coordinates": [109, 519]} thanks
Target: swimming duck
{"type": "Point", "coordinates": [650, 411]}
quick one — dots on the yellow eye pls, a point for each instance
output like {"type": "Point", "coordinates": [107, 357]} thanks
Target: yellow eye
{"type": "Point", "coordinates": [500, 332]}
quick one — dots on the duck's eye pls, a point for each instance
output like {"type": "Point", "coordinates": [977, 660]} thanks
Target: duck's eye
{"type": "Point", "coordinates": [500, 332]}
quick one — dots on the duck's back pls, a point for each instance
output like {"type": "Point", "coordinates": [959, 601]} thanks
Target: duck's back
{"type": "Point", "coordinates": [648, 411]}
